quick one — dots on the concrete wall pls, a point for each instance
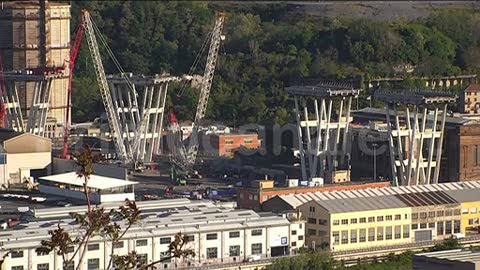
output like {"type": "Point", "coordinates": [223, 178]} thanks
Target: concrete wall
{"type": "Point", "coordinates": [22, 163]}
{"type": "Point", "coordinates": [81, 196]}
{"type": "Point", "coordinates": [61, 165]}
{"type": "Point", "coordinates": [154, 248]}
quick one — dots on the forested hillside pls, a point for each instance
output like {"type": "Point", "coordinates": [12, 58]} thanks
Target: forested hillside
{"type": "Point", "coordinates": [266, 50]}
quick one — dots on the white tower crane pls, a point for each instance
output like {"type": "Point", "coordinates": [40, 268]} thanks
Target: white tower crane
{"type": "Point", "coordinates": [113, 121]}
{"type": "Point", "coordinates": [205, 89]}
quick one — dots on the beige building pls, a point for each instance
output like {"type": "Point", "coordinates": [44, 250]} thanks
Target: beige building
{"type": "Point", "coordinates": [33, 36]}
{"type": "Point", "coordinates": [22, 155]}
{"type": "Point", "coordinates": [358, 219]}
{"type": "Point", "coordinates": [469, 100]}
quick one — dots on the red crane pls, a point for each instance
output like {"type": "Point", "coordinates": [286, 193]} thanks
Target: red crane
{"type": "Point", "coordinates": [73, 55]}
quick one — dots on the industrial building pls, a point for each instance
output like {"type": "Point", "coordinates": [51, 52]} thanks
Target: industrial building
{"type": "Point", "coordinates": [225, 144]}
{"type": "Point", "coordinates": [457, 259]}
{"type": "Point", "coordinates": [369, 137]}
{"type": "Point", "coordinates": [261, 191]}
{"type": "Point", "coordinates": [218, 235]}
{"type": "Point", "coordinates": [23, 155]}
{"type": "Point", "coordinates": [355, 219]}
{"type": "Point", "coordinates": [102, 189]}
{"type": "Point", "coordinates": [36, 35]}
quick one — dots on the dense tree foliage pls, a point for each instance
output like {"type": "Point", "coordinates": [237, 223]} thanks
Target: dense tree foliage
{"type": "Point", "coordinates": [266, 50]}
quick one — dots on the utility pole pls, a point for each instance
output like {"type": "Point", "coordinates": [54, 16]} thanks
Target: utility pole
{"type": "Point", "coordinates": [374, 161]}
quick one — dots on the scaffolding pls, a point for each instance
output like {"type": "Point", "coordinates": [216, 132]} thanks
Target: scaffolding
{"type": "Point", "coordinates": [140, 104]}
{"type": "Point", "coordinates": [322, 138]}
{"type": "Point", "coordinates": [39, 103]}
{"type": "Point", "coordinates": [415, 145]}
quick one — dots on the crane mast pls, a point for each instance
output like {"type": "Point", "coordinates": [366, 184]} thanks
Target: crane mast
{"type": "Point", "coordinates": [71, 65]}
{"type": "Point", "coordinates": [105, 91]}
{"type": "Point", "coordinates": [205, 88]}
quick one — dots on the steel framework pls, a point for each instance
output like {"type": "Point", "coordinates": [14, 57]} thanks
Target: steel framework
{"type": "Point", "coordinates": [40, 100]}
{"type": "Point", "coordinates": [124, 153]}
{"type": "Point", "coordinates": [322, 137]}
{"type": "Point", "coordinates": [140, 108]}
{"type": "Point", "coordinates": [415, 145]}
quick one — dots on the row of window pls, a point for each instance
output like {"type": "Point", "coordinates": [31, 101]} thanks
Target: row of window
{"type": "Point", "coordinates": [214, 236]}
{"type": "Point", "coordinates": [472, 210]}
{"type": "Point", "coordinates": [440, 213]}
{"type": "Point", "coordinates": [244, 141]}
{"type": "Point", "coordinates": [361, 236]}
{"type": "Point", "coordinates": [234, 251]}
{"type": "Point", "coordinates": [144, 242]}
{"type": "Point", "coordinates": [364, 219]}
{"type": "Point", "coordinates": [40, 266]}
{"type": "Point", "coordinates": [94, 264]}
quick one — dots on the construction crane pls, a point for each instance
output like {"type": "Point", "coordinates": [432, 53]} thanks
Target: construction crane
{"type": "Point", "coordinates": [73, 55]}
{"type": "Point", "coordinates": [216, 38]}
{"type": "Point", "coordinates": [124, 153]}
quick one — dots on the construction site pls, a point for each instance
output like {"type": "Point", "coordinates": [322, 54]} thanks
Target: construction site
{"type": "Point", "coordinates": [37, 60]}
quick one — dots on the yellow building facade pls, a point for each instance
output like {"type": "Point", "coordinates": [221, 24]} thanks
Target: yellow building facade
{"type": "Point", "coordinates": [362, 219]}
{"type": "Point", "coordinates": [470, 217]}
{"type": "Point", "coordinates": [356, 230]}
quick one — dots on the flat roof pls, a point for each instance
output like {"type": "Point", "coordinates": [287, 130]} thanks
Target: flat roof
{"type": "Point", "coordinates": [143, 79]}
{"type": "Point", "coordinates": [410, 96]}
{"type": "Point", "coordinates": [96, 181]}
{"type": "Point", "coordinates": [324, 89]}
{"type": "Point", "coordinates": [166, 218]}
{"type": "Point", "coordinates": [380, 114]}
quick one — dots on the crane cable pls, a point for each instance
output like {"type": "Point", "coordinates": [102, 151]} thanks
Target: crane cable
{"type": "Point", "coordinates": [196, 61]}
{"type": "Point", "coordinates": [112, 56]}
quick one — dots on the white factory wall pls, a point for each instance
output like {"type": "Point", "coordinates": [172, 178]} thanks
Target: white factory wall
{"type": "Point", "coordinates": [22, 163]}
{"type": "Point", "coordinates": [81, 196]}
{"type": "Point", "coordinates": [154, 248]}
{"type": "Point", "coordinates": [61, 165]}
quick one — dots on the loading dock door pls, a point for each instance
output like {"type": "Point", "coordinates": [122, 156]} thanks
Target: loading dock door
{"type": "Point", "coordinates": [279, 251]}
{"type": "Point", "coordinates": [423, 235]}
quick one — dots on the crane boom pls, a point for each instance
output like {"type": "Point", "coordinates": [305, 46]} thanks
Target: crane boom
{"type": "Point", "coordinates": [105, 92]}
{"type": "Point", "coordinates": [205, 87]}
{"type": "Point", "coordinates": [71, 65]}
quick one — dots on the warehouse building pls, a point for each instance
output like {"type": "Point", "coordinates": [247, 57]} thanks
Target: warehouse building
{"type": "Point", "coordinates": [217, 234]}
{"type": "Point", "coordinates": [356, 219]}
{"type": "Point", "coordinates": [23, 155]}
{"type": "Point", "coordinates": [101, 188]}
{"type": "Point", "coordinates": [253, 196]}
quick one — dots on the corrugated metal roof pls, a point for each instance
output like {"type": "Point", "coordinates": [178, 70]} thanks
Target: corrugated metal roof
{"type": "Point", "coordinates": [464, 255]}
{"type": "Point", "coordinates": [389, 197]}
